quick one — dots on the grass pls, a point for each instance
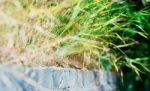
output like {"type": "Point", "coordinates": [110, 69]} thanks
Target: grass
{"type": "Point", "coordinates": [84, 34]}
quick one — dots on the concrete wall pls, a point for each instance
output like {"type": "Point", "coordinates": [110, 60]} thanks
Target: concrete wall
{"type": "Point", "coordinates": [55, 79]}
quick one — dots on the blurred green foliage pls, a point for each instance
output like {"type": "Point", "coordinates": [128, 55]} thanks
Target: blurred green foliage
{"type": "Point", "coordinates": [131, 81]}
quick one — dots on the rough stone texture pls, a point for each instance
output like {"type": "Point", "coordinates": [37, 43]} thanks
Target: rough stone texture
{"type": "Point", "coordinates": [55, 79]}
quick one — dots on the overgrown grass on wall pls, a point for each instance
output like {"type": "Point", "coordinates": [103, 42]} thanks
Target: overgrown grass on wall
{"type": "Point", "coordinates": [83, 34]}
{"type": "Point", "coordinates": [86, 33]}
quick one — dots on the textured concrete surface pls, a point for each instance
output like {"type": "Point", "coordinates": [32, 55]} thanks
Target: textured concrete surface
{"type": "Point", "coordinates": [55, 79]}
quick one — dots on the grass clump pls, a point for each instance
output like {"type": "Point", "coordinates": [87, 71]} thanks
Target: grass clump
{"type": "Point", "coordinates": [74, 33]}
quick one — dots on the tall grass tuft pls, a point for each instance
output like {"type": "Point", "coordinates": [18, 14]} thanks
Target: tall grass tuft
{"type": "Point", "coordinates": [72, 33]}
